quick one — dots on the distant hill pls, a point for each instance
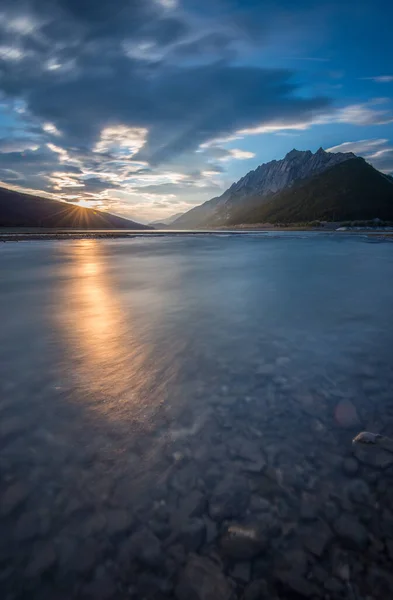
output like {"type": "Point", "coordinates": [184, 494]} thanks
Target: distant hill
{"type": "Point", "coordinates": [25, 210]}
{"type": "Point", "coordinates": [301, 187]}
{"type": "Point", "coordinates": [165, 223]}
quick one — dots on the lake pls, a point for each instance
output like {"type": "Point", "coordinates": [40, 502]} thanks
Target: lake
{"type": "Point", "coordinates": [177, 415]}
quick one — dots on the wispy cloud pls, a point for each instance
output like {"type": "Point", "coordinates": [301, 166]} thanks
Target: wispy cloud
{"type": "Point", "coordinates": [380, 78]}
{"type": "Point", "coordinates": [359, 147]}
{"type": "Point", "coordinates": [353, 114]}
{"type": "Point", "coordinates": [377, 152]}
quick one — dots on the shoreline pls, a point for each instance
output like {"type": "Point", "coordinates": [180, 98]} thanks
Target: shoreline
{"type": "Point", "coordinates": [30, 236]}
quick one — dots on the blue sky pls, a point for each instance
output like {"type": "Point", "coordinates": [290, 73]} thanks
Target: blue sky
{"type": "Point", "coordinates": [148, 107]}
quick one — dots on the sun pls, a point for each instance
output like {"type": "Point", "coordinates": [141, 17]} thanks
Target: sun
{"type": "Point", "coordinates": [86, 204]}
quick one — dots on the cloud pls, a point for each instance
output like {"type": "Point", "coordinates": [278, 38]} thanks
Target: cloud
{"type": "Point", "coordinates": [240, 154]}
{"type": "Point", "coordinates": [364, 114]}
{"type": "Point", "coordinates": [380, 78]}
{"type": "Point", "coordinates": [376, 151]}
{"type": "Point", "coordinates": [358, 147]}
{"type": "Point", "coordinates": [121, 140]}
{"type": "Point", "coordinates": [353, 114]}
{"type": "Point", "coordinates": [10, 53]}
{"type": "Point", "coordinates": [382, 160]}
{"type": "Point", "coordinates": [17, 145]}
{"type": "Point", "coordinates": [129, 66]}
{"type": "Point", "coordinates": [216, 152]}
{"type": "Point", "coordinates": [52, 129]}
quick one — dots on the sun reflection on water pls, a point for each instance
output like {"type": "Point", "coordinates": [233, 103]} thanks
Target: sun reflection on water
{"type": "Point", "coordinates": [112, 362]}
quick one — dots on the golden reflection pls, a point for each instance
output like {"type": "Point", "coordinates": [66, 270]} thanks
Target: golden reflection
{"type": "Point", "coordinates": [112, 364]}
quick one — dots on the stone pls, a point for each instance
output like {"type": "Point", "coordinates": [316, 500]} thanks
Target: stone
{"type": "Point", "coordinates": [202, 579]}
{"type": "Point", "coordinates": [257, 590]}
{"type": "Point", "coordinates": [334, 586]}
{"type": "Point", "coordinates": [11, 427]}
{"type": "Point", "coordinates": [380, 581]}
{"type": "Point", "coordinates": [330, 510]}
{"type": "Point", "coordinates": [102, 587]}
{"type": "Point", "coordinates": [308, 404]}
{"type": "Point", "coordinates": [178, 553]}
{"type": "Point", "coordinates": [66, 547]}
{"type": "Point", "coordinates": [351, 531]}
{"type": "Point", "coordinates": [358, 491]}
{"type": "Point", "coordinates": [389, 547]}
{"type": "Point", "coordinates": [259, 504]}
{"type": "Point", "coordinates": [43, 558]}
{"type": "Point", "coordinates": [117, 521]}
{"type": "Point", "coordinates": [160, 529]}
{"type": "Point", "coordinates": [192, 505]}
{"type": "Point", "coordinates": [340, 565]}
{"type": "Point", "coordinates": [373, 455]}
{"type": "Point", "coordinates": [211, 530]}
{"type": "Point", "coordinates": [84, 558]}
{"type": "Point", "coordinates": [317, 537]}
{"type": "Point", "coordinates": [241, 571]}
{"type": "Point", "coordinates": [153, 587]}
{"type": "Point", "coordinates": [94, 524]}
{"type": "Point", "coordinates": [230, 499]}
{"type": "Point", "coordinates": [320, 574]}
{"type": "Point", "coordinates": [265, 369]}
{"type": "Point", "coordinates": [146, 548]}
{"type": "Point", "coordinates": [308, 508]}
{"type": "Point", "coordinates": [27, 527]}
{"type": "Point", "coordinates": [350, 466]}
{"type": "Point", "coordinates": [248, 455]}
{"type": "Point", "coordinates": [193, 535]}
{"type": "Point", "coordinates": [14, 496]}
{"type": "Point", "coordinates": [292, 559]}
{"type": "Point", "coordinates": [346, 415]}
{"type": "Point", "coordinates": [366, 437]}
{"type": "Point", "coordinates": [294, 582]}
{"type": "Point", "coordinates": [243, 542]}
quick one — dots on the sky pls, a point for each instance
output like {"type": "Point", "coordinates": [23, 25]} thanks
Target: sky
{"type": "Point", "coordinates": [147, 108]}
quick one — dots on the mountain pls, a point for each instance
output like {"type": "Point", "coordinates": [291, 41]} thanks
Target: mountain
{"type": "Point", "coordinates": [266, 181]}
{"type": "Point", "coordinates": [162, 223]}
{"type": "Point", "coordinates": [25, 210]}
{"type": "Point", "coordinates": [350, 191]}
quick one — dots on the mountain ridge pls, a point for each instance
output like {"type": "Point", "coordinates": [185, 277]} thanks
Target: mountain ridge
{"type": "Point", "coordinates": [270, 180]}
{"type": "Point", "coordinates": [19, 209]}
{"type": "Point", "coordinates": [349, 191]}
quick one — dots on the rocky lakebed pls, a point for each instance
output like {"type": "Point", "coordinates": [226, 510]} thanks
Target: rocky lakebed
{"type": "Point", "coordinates": [256, 494]}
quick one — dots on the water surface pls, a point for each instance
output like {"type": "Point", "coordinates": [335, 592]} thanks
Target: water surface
{"type": "Point", "coordinates": [136, 374]}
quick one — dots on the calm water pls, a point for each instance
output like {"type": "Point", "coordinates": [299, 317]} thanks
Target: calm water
{"type": "Point", "coordinates": [154, 390]}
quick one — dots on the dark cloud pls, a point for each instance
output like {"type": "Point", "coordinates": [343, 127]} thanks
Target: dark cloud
{"type": "Point", "coordinates": [165, 189]}
{"type": "Point", "coordinates": [81, 66]}
{"type": "Point", "coordinates": [8, 145]}
{"type": "Point", "coordinates": [29, 160]}
{"type": "Point", "coordinates": [10, 176]}
{"type": "Point", "coordinates": [94, 185]}
{"type": "Point", "coordinates": [180, 106]}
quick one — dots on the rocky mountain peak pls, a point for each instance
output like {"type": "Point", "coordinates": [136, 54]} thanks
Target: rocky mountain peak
{"type": "Point", "coordinates": [297, 154]}
{"type": "Point", "coordinates": [273, 176]}
{"type": "Point", "coordinates": [267, 179]}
